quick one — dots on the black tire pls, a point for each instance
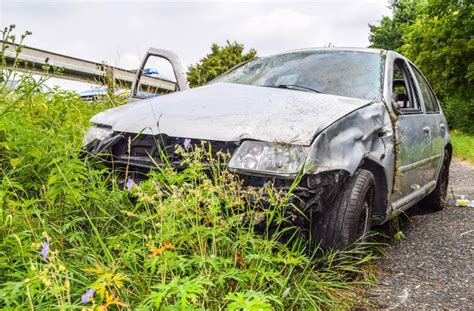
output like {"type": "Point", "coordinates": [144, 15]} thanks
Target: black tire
{"type": "Point", "coordinates": [339, 226]}
{"type": "Point", "coordinates": [436, 200]}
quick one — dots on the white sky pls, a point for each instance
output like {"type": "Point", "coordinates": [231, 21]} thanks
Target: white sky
{"type": "Point", "coordinates": [120, 32]}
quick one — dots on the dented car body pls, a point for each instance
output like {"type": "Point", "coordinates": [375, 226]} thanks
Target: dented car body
{"type": "Point", "coordinates": [363, 125]}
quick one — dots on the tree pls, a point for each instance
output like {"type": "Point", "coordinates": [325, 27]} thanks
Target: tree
{"type": "Point", "coordinates": [441, 43]}
{"type": "Point", "coordinates": [217, 62]}
{"type": "Point", "coordinates": [389, 33]}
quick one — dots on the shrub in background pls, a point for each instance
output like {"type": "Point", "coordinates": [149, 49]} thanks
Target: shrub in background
{"type": "Point", "coordinates": [221, 59]}
{"type": "Point", "coordinates": [460, 113]}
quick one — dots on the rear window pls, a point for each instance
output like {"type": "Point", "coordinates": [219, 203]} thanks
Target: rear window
{"type": "Point", "coordinates": [431, 103]}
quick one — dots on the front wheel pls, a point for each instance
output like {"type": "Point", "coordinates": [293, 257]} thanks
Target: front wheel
{"type": "Point", "coordinates": [339, 226]}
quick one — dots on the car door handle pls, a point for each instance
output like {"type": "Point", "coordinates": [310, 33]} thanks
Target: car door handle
{"type": "Point", "coordinates": [426, 129]}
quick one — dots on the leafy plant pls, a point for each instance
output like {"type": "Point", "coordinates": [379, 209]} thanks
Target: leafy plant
{"type": "Point", "coordinates": [221, 59]}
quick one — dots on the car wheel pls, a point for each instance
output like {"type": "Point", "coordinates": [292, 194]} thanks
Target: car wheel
{"type": "Point", "coordinates": [339, 226]}
{"type": "Point", "coordinates": [436, 200]}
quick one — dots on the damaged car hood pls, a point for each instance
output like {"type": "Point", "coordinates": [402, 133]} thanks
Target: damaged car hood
{"type": "Point", "coordinates": [232, 112]}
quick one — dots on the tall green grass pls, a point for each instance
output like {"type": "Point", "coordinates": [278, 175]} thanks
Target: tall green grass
{"type": "Point", "coordinates": [72, 237]}
{"type": "Point", "coordinates": [463, 145]}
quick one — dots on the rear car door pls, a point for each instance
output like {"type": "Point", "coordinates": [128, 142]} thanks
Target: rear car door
{"type": "Point", "coordinates": [434, 120]}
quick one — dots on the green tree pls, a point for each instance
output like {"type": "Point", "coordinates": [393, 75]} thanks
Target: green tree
{"type": "Point", "coordinates": [217, 62]}
{"type": "Point", "coordinates": [389, 33]}
{"type": "Point", "coordinates": [441, 43]}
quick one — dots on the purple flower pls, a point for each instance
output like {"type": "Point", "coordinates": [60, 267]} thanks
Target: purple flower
{"type": "Point", "coordinates": [44, 250]}
{"type": "Point", "coordinates": [129, 184]}
{"type": "Point", "coordinates": [87, 296]}
{"type": "Point", "coordinates": [187, 143]}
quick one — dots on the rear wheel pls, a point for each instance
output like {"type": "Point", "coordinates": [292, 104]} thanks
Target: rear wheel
{"type": "Point", "coordinates": [436, 200]}
{"type": "Point", "coordinates": [339, 226]}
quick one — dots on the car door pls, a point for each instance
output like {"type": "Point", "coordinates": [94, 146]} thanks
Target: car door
{"type": "Point", "coordinates": [161, 72]}
{"type": "Point", "coordinates": [414, 163]}
{"type": "Point", "coordinates": [434, 119]}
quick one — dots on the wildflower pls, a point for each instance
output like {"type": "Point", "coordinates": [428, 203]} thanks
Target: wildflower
{"type": "Point", "coordinates": [44, 250]}
{"type": "Point", "coordinates": [129, 184]}
{"type": "Point", "coordinates": [187, 143]}
{"type": "Point", "coordinates": [87, 296]}
{"type": "Point", "coordinates": [159, 251]}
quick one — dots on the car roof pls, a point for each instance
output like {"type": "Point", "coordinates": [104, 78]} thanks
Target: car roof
{"type": "Point", "coordinates": [335, 49]}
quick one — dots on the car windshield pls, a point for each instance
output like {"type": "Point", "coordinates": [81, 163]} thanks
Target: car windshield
{"type": "Point", "coordinates": [344, 73]}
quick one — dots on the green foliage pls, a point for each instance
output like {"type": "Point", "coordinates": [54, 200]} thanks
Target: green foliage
{"type": "Point", "coordinates": [389, 33]}
{"type": "Point", "coordinates": [463, 146]}
{"type": "Point", "coordinates": [460, 112]}
{"type": "Point", "coordinates": [221, 59]}
{"type": "Point", "coordinates": [437, 35]}
{"type": "Point", "coordinates": [441, 43]}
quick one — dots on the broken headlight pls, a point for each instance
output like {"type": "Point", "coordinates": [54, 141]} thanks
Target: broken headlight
{"type": "Point", "coordinates": [95, 134]}
{"type": "Point", "coordinates": [268, 157]}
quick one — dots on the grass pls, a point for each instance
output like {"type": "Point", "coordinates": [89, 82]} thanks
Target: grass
{"type": "Point", "coordinates": [463, 146]}
{"type": "Point", "coordinates": [72, 237]}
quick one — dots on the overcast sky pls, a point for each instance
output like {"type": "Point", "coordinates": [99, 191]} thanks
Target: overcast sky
{"type": "Point", "coordinates": [120, 32]}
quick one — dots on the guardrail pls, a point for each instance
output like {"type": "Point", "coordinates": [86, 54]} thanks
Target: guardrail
{"type": "Point", "coordinates": [33, 60]}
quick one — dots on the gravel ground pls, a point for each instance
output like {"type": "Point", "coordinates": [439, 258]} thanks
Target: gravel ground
{"type": "Point", "coordinates": [433, 267]}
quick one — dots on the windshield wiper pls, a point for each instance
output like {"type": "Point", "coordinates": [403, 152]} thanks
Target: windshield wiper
{"type": "Point", "coordinates": [293, 87]}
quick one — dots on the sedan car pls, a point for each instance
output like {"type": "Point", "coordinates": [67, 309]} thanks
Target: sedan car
{"type": "Point", "coordinates": [363, 125]}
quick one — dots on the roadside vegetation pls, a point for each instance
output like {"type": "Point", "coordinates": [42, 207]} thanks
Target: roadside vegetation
{"type": "Point", "coordinates": [218, 61]}
{"type": "Point", "coordinates": [72, 235]}
{"type": "Point", "coordinates": [463, 146]}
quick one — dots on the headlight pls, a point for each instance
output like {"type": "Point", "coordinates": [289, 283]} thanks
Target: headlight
{"type": "Point", "coordinates": [96, 133]}
{"type": "Point", "coordinates": [268, 157]}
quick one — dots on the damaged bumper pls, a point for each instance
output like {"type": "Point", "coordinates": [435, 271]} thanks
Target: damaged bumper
{"type": "Point", "coordinates": [136, 155]}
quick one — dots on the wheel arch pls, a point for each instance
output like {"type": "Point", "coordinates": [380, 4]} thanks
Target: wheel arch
{"type": "Point", "coordinates": [381, 189]}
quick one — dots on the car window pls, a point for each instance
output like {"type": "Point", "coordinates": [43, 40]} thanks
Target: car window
{"type": "Point", "coordinates": [403, 91]}
{"type": "Point", "coordinates": [431, 104]}
{"type": "Point", "coordinates": [344, 73]}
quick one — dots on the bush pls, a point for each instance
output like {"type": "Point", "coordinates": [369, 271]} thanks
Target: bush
{"type": "Point", "coordinates": [460, 113]}
{"type": "Point", "coordinates": [218, 61]}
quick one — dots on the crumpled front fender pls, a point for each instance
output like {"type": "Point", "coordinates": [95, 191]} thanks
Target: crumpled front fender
{"type": "Point", "coordinates": [365, 133]}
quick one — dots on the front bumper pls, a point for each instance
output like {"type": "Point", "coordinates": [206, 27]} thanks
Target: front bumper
{"type": "Point", "coordinates": [134, 156]}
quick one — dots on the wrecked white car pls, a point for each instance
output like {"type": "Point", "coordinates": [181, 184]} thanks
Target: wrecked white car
{"type": "Point", "coordinates": [362, 124]}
